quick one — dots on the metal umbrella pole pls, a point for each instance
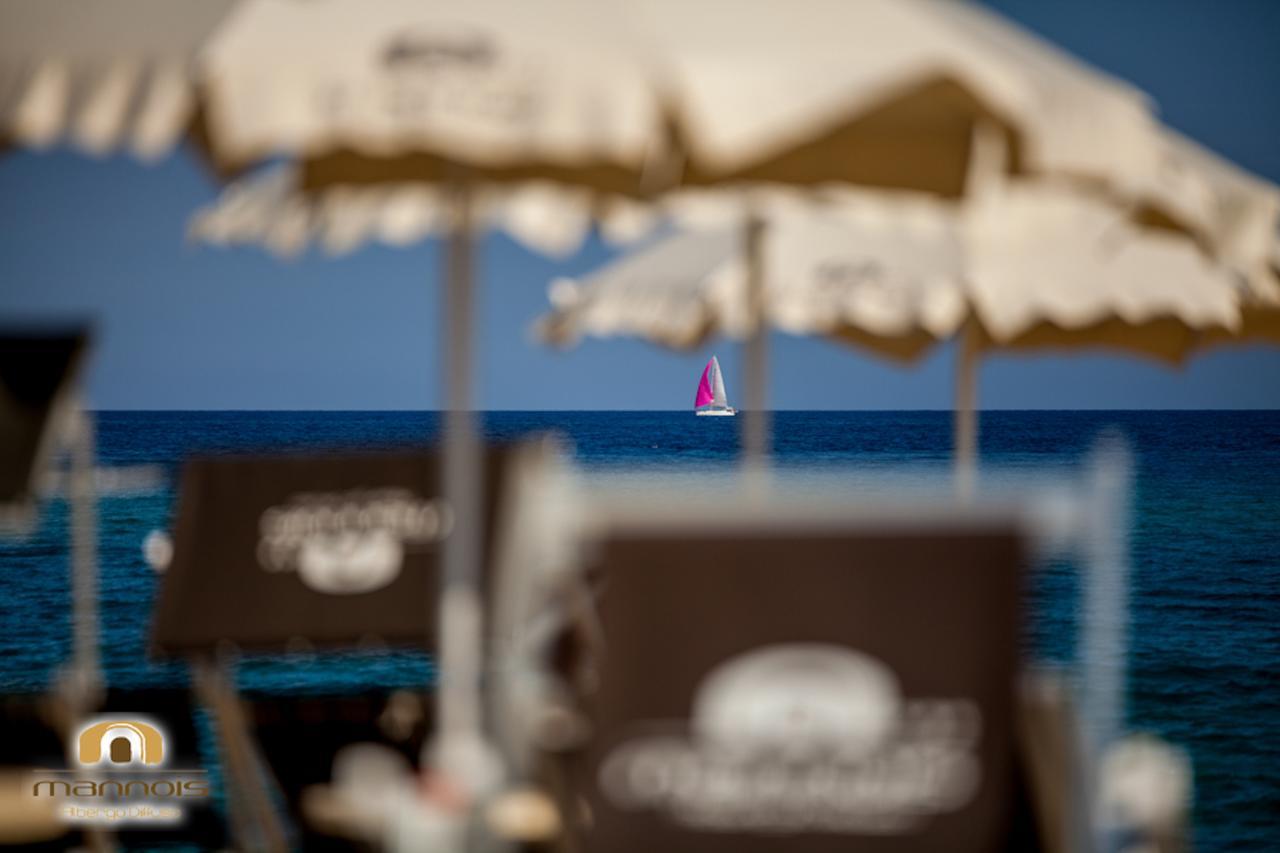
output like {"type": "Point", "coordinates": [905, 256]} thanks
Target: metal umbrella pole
{"type": "Point", "coordinates": [459, 749]}
{"type": "Point", "coordinates": [756, 428]}
{"type": "Point", "coordinates": [1105, 640]}
{"type": "Point", "coordinates": [80, 685]}
{"type": "Point", "coordinates": [85, 670]}
{"type": "Point", "coordinates": [985, 181]}
{"type": "Point", "coordinates": [965, 416]}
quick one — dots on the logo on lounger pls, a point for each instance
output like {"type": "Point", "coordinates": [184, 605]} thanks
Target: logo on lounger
{"type": "Point", "coordinates": [802, 737]}
{"type": "Point", "coordinates": [438, 47]}
{"type": "Point", "coordinates": [123, 776]}
{"type": "Point", "coordinates": [348, 542]}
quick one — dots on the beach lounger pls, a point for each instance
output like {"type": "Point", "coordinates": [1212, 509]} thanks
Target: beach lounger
{"type": "Point", "coordinates": [297, 552]}
{"type": "Point", "coordinates": [302, 553]}
{"type": "Point", "coordinates": [762, 680]}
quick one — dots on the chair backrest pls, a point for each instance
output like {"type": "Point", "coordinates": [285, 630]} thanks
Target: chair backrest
{"type": "Point", "coordinates": [299, 550]}
{"type": "Point", "coordinates": [773, 685]}
{"type": "Point", "coordinates": [36, 369]}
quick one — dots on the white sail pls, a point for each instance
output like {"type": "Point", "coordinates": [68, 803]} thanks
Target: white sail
{"type": "Point", "coordinates": [717, 384]}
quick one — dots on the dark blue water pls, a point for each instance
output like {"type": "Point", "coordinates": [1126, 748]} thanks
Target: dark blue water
{"type": "Point", "coordinates": [1205, 657]}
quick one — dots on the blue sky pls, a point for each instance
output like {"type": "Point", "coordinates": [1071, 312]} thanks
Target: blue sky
{"type": "Point", "coordinates": [186, 327]}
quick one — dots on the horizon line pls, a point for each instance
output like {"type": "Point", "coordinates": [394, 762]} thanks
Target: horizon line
{"type": "Point", "coordinates": [632, 411]}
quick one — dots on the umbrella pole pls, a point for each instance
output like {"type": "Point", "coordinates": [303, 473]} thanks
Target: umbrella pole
{"type": "Point", "coordinates": [966, 412]}
{"type": "Point", "coordinates": [458, 750]}
{"type": "Point", "coordinates": [988, 164]}
{"type": "Point", "coordinates": [83, 500]}
{"type": "Point", "coordinates": [756, 429]}
{"type": "Point", "coordinates": [1105, 628]}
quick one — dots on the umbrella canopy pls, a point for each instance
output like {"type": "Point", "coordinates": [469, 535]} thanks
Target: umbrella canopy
{"type": "Point", "coordinates": [629, 97]}
{"type": "Point", "coordinates": [625, 96]}
{"type": "Point", "coordinates": [1260, 314]}
{"type": "Point", "coordinates": [1048, 268]}
{"type": "Point", "coordinates": [888, 279]}
{"type": "Point", "coordinates": [102, 75]}
{"type": "Point", "coordinates": [272, 210]}
{"type": "Point", "coordinates": [1258, 324]}
{"type": "Point", "coordinates": [540, 88]}
{"type": "Point", "coordinates": [883, 94]}
{"type": "Point", "coordinates": [896, 275]}
{"type": "Point", "coordinates": [1232, 212]}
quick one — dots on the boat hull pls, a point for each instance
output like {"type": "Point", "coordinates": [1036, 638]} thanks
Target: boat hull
{"type": "Point", "coordinates": [716, 413]}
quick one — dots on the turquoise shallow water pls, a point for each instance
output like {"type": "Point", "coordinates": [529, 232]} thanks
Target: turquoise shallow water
{"type": "Point", "coordinates": [1205, 657]}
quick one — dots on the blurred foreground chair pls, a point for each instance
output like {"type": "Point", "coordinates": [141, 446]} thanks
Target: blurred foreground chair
{"type": "Point", "coordinates": [765, 683]}
{"type": "Point", "coordinates": [689, 671]}
{"type": "Point", "coordinates": [301, 554]}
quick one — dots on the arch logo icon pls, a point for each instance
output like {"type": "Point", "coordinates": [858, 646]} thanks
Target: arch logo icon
{"type": "Point", "coordinates": [120, 742]}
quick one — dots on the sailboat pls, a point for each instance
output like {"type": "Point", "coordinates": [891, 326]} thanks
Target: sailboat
{"type": "Point", "coordinates": [712, 399]}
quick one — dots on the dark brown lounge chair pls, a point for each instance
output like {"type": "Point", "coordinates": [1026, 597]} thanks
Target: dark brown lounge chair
{"type": "Point", "coordinates": [302, 553]}
{"type": "Point", "coordinates": [767, 685]}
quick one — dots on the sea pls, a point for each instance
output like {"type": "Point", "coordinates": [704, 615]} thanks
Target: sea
{"type": "Point", "coordinates": [1204, 651]}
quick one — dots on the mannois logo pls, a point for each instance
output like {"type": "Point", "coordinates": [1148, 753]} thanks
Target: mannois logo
{"type": "Point", "coordinates": [123, 775]}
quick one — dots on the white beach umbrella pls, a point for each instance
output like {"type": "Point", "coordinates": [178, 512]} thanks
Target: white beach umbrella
{"type": "Point", "coordinates": [458, 95]}
{"type": "Point", "coordinates": [107, 75]}
{"type": "Point", "coordinates": [1027, 266]}
{"type": "Point", "coordinates": [609, 94]}
{"type": "Point", "coordinates": [884, 269]}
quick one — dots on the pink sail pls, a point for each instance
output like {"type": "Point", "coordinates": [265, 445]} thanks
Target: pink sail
{"type": "Point", "coordinates": [705, 394]}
